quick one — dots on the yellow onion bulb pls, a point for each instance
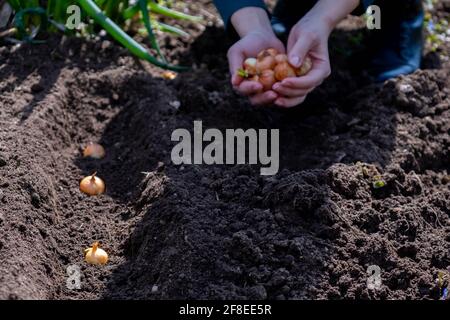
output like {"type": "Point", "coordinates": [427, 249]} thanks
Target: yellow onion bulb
{"type": "Point", "coordinates": [267, 79]}
{"type": "Point", "coordinates": [304, 68]}
{"type": "Point", "coordinates": [250, 66]}
{"type": "Point", "coordinates": [272, 51]}
{"type": "Point", "coordinates": [92, 185]}
{"type": "Point", "coordinates": [94, 150]}
{"type": "Point", "coordinates": [284, 70]}
{"type": "Point", "coordinates": [266, 63]}
{"type": "Point", "coordinates": [169, 75]}
{"type": "Point", "coordinates": [95, 255]}
{"type": "Point", "coordinates": [279, 58]}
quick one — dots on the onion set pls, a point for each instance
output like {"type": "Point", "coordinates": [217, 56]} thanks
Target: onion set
{"type": "Point", "coordinates": [94, 150]}
{"type": "Point", "coordinates": [270, 67]}
{"type": "Point", "coordinates": [95, 255]}
{"type": "Point", "coordinates": [92, 185]}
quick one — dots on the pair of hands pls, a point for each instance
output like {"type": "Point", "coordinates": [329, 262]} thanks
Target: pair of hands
{"type": "Point", "coordinates": [306, 38]}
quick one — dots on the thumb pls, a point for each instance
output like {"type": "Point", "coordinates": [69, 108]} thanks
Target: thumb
{"type": "Point", "coordinates": [298, 50]}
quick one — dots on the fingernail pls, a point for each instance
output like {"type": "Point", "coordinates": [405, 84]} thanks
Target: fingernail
{"type": "Point", "coordinates": [295, 61]}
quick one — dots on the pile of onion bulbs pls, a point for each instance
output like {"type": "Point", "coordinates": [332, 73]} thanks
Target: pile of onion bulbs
{"type": "Point", "coordinates": [270, 67]}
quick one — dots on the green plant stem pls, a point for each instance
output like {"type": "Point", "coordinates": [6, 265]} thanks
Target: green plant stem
{"type": "Point", "coordinates": [170, 29]}
{"type": "Point", "coordinates": [122, 37]}
{"type": "Point", "coordinates": [156, 8]}
{"type": "Point", "coordinates": [148, 26]}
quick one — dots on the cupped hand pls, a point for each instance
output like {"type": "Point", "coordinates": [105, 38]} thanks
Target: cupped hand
{"type": "Point", "coordinates": [307, 38]}
{"type": "Point", "coordinates": [249, 46]}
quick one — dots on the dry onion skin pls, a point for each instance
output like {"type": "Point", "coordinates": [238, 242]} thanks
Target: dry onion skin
{"type": "Point", "coordinates": [92, 185]}
{"type": "Point", "coordinates": [94, 150]}
{"type": "Point", "coordinates": [284, 70]}
{"type": "Point", "coordinates": [95, 255]}
{"type": "Point", "coordinates": [270, 67]}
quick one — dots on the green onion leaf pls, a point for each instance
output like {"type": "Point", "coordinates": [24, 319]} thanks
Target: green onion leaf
{"type": "Point", "coordinates": [122, 37]}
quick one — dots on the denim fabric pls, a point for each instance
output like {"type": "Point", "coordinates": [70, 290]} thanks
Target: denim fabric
{"type": "Point", "coordinates": [226, 8]}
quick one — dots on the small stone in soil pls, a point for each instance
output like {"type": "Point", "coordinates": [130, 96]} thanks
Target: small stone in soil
{"type": "Point", "coordinates": [4, 184]}
{"type": "Point", "coordinates": [125, 214]}
{"type": "Point", "coordinates": [175, 104]}
{"type": "Point", "coordinates": [106, 44]}
{"type": "Point", "coordinates": [160, 166]}
{"type": "Point", "coordinates": [35, 199]}
{"type": "Point", "coordinates": [35, 88]}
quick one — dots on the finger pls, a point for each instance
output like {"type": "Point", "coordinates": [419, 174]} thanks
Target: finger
{"type": "Point", "coordinates": [235, 61]}
{"type": "Point", "coordinates": [298, 48]}
{"type": "Point", "coordinates": [249, 88]}
{"type": "Point", "coordinates": [312, 79]}
{"type": "Point", "coordinates": [236, 80]}
{"type": "Point", "coordinates": [289, 91]}
{"type": "Point", "coordinates": [264, 98]}
{"type": "Point", "coordinates": [289, 102]}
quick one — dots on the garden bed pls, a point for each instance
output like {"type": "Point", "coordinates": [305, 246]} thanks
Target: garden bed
{"type": "Point", "coordinates": [204, 232]}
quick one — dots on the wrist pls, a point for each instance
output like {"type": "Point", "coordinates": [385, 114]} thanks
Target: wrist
{"type": "Point", "coordinates": [317, 25]}
{"type": "Point", "coordinates": [320, 21]}
{"type": "Point", "coordinates": [328, 15]}
{"type": "Point", "coordinates": [251, 20]}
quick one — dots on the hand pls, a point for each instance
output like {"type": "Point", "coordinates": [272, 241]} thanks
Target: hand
{"type": "Point", "coordinates": [308, 37]}
{"type": "Point", "coordinates": [249, 46]}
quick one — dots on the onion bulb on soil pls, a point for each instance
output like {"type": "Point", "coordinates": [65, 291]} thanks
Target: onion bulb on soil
{"type": "Point", "coordinates": [95, 255]}
{"type": "Point", "coordinates": [92, 185]}
{"type": "Point", "coordinates": [169, 75]}
{"type": "Point", "coordinates": [270, 66]}
{"type": "Point", "coordinates": [94, 150]}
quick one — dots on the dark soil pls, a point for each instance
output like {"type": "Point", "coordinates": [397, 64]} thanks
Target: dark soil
{"type": "Point", "coordinates": [217, 232]}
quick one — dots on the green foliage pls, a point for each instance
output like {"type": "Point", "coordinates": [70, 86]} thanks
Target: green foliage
{"type": "Point", "coordinates": [32, 18]}
{"type": "Point", "coordinates": [437, 29]}
{"type": "Point", "coordinates": [378, 184]}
